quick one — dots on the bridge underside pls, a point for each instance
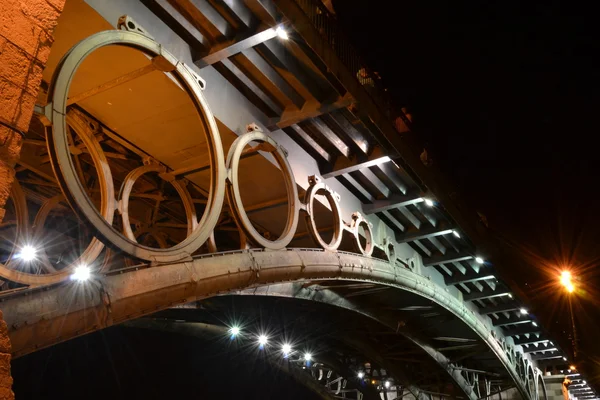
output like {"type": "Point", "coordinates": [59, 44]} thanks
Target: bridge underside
{"type": "Point", "coordinates": [154, 168]}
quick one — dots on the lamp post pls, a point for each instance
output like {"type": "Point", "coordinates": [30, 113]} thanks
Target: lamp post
{"type": "Point", "coordinates": [566, 281]}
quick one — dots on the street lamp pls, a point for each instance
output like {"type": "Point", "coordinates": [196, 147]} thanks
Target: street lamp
{"type": "Point", "coordinates": [566, 279]}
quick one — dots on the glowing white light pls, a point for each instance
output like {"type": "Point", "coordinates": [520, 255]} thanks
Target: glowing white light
{"type": "Point", "coordinates": [509, 295]}
{"type": "Point", "coordinates": [584, 382]}
{"type": "Point", "coordinates": [455, 233]}
{"type": "Point", "coordinates": [533, 323]}
{"type": "Point", "coordinates": [81, 273]}
{"type": "Point", "coordinates": [307, 357]}
{"type": "Point", "coordinates": [286, 349]}
{"type": "Point", "coordinates": [479, 260]}
{"type": "Point", "coordinates": [234, 331]}
{"type": "Point", "coordinates": [523, 311]}
{"type": "Point", "coordinates": [281, 33]}
{"type": "Point", "coordinates": [387, 384]}
{"type": "Point", "coordinates": [564, 358]}
{"type": "Point", "coordinates": [28, 253]}
{"type": "Point", "coordinates": [429, 202]}
{"type": "Point", "coordinates": [360, 374]}
{"type": "Point", "coordinates": [262, 340]}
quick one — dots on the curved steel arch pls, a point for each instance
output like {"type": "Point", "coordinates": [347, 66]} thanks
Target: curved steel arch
{"type": "Point", "coordinates": [49, 315]}
{"type": "Point", "coordinates": [296, 291]}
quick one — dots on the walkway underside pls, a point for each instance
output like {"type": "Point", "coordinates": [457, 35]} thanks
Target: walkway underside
{"type": "Point", "coordinates": [397, 298]}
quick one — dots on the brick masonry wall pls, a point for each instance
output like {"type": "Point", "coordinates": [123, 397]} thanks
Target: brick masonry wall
{"type": "Point", "coordinates": [26, 28]}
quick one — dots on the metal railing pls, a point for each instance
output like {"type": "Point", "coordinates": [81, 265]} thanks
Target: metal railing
{"type": "Point", "coordinates": [327, 26]}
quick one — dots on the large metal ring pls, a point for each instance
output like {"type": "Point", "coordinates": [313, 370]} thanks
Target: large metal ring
{"type": "Point", "coordinates": [125, 192]}
{"type": "Point", "coordinates": [69, 182]}
{"type": "Point", "coordinates": [357, 221]}
{"type": "Point", "coordinates": [235, 199]}
{"type": "Point", "coordinates": [316, 188]}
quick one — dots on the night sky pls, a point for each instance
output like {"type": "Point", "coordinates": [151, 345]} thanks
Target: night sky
{"type": "Point", "coordinates": [504, 95]}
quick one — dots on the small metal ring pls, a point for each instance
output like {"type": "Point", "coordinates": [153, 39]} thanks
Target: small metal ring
{"type": "Point", "coordinates": [357, 220]}
{"type": "Point", "coordinates": [390, 250]}
{"type": "Point", "coordinates": [235, 199]}
{"type": "Point", "coordinates": [125, 192]}
{"type": "Point", "coordinates": [338, 223]}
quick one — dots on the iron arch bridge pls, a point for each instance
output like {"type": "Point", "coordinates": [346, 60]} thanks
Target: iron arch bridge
{"type": "Point", "coordinates": [263, 168]}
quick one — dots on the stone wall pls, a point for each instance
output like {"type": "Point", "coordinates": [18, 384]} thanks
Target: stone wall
{"type": "Point", "coordinates": [26, 28]}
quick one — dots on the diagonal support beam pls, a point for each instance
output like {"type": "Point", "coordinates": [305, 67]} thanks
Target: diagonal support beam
{"type": "Point", "coordinates": [527, 329]}
{"type": "Point", "coordinates": [530, 340]}
{"type": "Point", "coordinates": [394, 201]}
{"type": "Point", "coordinates": [447, 258]}
{"type": "Point", "coordinates": [344, 165]}
{"type": "Point", "coordinates": [426, 233]}
{"type": "Point", "coordinates": [486, 294]}
{"type": "Point", "coordinates": [228, 49]}
{"type": "Point", "coordinates": [546, 356]}
{"type": "Point", "coordinates": [310, 109]}
{"type": "Point", "coordinates": [470, 276]}
{"type": "Point", "coordinates": [521, 319]}
{"type": "Point", "coordinates": [511, 306]}
{"type": "Point", "coordinates": [534, 349]}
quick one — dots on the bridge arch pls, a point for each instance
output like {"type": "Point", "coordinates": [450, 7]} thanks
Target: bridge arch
{"type": "Point", "coordinates": [74, 310]}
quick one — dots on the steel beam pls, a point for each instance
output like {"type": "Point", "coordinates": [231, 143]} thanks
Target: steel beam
{"type": "Point", "coordinates": [529, 340]}
{"type": "Point", "coordinates": [178, 24]}
{"type": "Point", "coordinates": [448, 258]}
{"type": "Point", "coordinates": [486, 294]}
{"type": "Point", "coordinates": [346, 165]}
{"type": "Point", "coordinates": [242, 83]}
{"type": "Point", "coordinates": [425, 233]}
{"type": "Point", "coordinates": [511, 306]}
{"type": "Point", "coordinates": [393, 201]}
{"type": "Point", "coordinates": [278, 55]}
{"type": "Point", "coordinates": [539, 349]}
{"type": "Point", "coordinates": [470, 276]}
{"type": "Point", "coordinates": [521, 319]}
{"type": "Point", "coordinates": [528, 329]}
{"type": "Point", "coordinates": [226, 50]}
{"type": "Point", "coordinates": [310, 109]}
{"type": "Point", "coordinates": [546, 356]}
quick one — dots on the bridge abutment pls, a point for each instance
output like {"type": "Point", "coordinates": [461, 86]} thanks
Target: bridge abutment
{"type": "Point", "coordinates": [25, 38]}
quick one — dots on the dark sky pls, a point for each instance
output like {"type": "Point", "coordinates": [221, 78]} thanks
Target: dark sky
{"type": "Point", "coordinates": [505, 96]}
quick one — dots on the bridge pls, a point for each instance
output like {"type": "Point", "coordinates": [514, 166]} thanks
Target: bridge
{"type": "Point", "coordinates": [191, 154]}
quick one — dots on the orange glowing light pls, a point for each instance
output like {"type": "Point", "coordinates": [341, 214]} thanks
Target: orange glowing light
{"type": "Point", "coordinates": [573, 368]}
{"type": "Point", "coordinates": [565, 280]}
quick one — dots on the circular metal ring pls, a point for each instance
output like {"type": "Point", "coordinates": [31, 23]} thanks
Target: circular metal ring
{"type": "Point", "coordinates": [72, 187]}
{"type": "Point", "coordinates": [125, 192]}
{"type": "Point", "coordinates": [357, 221]}
{"type": "Point", "coordinates": [338, 223]}
{"type": "Point", "coordinates": [89, 255]}
{"type": "Point", "coordinates": [235, 199]}
{"type": "Point", "coordinates": [390, 249]}
{"type": "Point", "coordinates": [8, 271]}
